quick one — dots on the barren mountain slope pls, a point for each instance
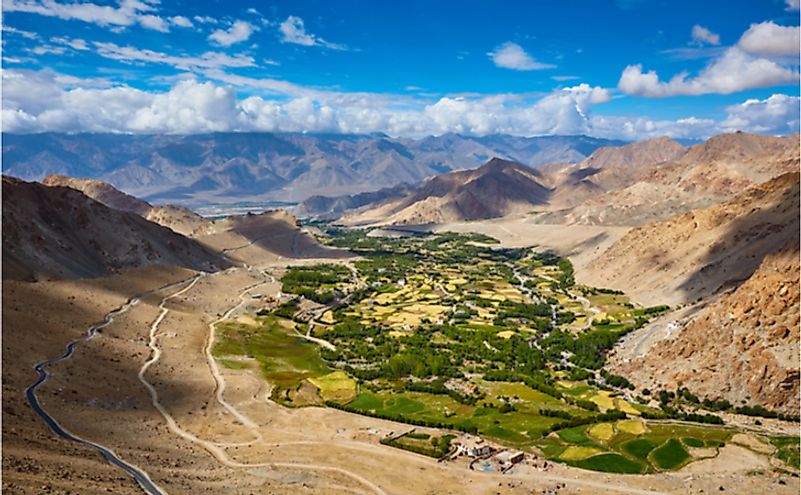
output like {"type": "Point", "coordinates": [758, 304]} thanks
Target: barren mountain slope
{"type": "Point", "coordinates": [694, 254]}
{"type": "Point", "coordinates": [708, 173]}
{"type": "Point", "coordinates": [100, 191]}
{"type": "Point", "coordinates": [177, 218]}
{"type": "Point", "coordinates": [497, 188]}
{"type": "Point", "coordinates": [58, 232]}
{"type": "Point", "coordinates": [265, 238]}
{"type": "Point", "coordinates": [743, 347]}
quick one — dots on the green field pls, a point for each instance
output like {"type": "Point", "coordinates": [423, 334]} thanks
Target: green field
{"type": "Point", "coordinates": [631, 448]}
{"type": "Point", "coordinates": [285, 359]}
{"type": "Point", "coordinates": [787, 449]}
{"type": "Point", "coordinates": [670, 455]}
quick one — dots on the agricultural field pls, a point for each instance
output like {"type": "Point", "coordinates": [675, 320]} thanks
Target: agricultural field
{"type": "Point", "coordinates": [633, 445]}
{"type": "Point", "coordinates": [452, 333]}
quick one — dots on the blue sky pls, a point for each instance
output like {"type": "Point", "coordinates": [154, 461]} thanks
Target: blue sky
{"type": "Point", "coordinates": [605, 68]}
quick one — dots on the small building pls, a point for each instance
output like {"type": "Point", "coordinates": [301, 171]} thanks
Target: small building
{"type": "Point", "coordinates": [256, 296]}
{"type": "Point", "coordinates": [509, 458]}
{"type": "Point", "coordinates": [473, 447]}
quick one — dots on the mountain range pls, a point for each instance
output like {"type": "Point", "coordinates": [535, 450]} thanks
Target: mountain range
{"type": "Point", "coordinates": [233, 167]}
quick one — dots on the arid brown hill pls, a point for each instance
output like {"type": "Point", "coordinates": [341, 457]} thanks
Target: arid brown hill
{"type": "Point", "coordinates": [696, 253]}
{"type": "Point", "coordinates": [706, 174]}
{"type": "Point", "coordinates": [177, 218]}
{"type": "Point", "coordinates": [497, 188]}
{"type": "Point", "coordinates": [59, 232]}
{"type": "Point", "coordinates": [743, 347]}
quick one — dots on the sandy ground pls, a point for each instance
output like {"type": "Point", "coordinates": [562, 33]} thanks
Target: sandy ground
{"type": "Point", "coordinates": [243, 443]}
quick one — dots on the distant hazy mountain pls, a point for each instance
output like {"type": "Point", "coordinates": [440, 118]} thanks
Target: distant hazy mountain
{"type": "Point", "coordinates": [227, 167]}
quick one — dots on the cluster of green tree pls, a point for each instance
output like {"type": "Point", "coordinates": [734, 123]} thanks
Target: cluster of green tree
{"type": "Point", "coordinates": [465, 426]}
{"type": "Point", "coordinates": [437, 446]}
{"type": "Point", "coordinates": [555, 413]}
{"type": "Point", "coordinates": [308, 281]}
{"type": "Point", "coordinates": [592, 291]}
{"type": "Point", "coordinates": [616, 381]}
{"type": "Point", "coordinates": [286, 310]}
{"type": "Point", "coordinates": [598, 418]}
{"type": "Point", "coordinates": [671, 413]}
{"type": "Point", "coordinates": [567, 277]}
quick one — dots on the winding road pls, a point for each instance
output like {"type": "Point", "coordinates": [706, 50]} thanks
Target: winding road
{"type": "Point", "coordinates": [141, 477]}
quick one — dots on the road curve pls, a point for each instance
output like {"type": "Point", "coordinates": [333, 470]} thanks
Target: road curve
{"type": "Point", "coordinates": [138, 474]}
{"type": "Point", "coordinates": [213, 448]}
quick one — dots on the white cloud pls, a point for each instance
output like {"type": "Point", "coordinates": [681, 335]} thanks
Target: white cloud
{"type": "Point", "coordinates": [25, 34]}
{"type": "Point", "coordinates": [512, 56]}
{"type": "Point", "coordinates": [181, 21]}
{"type": "Point", "coordinates": [238, 31]}
{"type": "Point", "coordinates": [294, 31]}
{"type": "Point", "coordinates": [793, 4]}
{"type": "Point", "coordinates": [128, 13]}
{"type": "Point", "coordinates": [734, 71]}
{"type": "Point", "coordinates": [205, 19]}
{"type": "Point", "coordinates": [208, 60]}
{"type": "Point", "coordinates": [702, 35]}
{"type": "Point", "coordinates": [777, 114]}
{"type": "Point", "coordinates": [766, 55]}
{"type": "Point", "coordinates": [75, 44]}
{"type": "Point", "coordinates": [44, 101]}
{"type": "Point", "coordinates": [771, 40]}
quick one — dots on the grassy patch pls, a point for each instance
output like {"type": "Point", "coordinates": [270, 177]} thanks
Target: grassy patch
{"type": "Point", "coordinates": [575, 436]}
{"type": "Point", "coordinates": [670, 455]}
{"type": "Point", "coordinates": [335, 386]}
{"type": "Point", "coordinates": [693, 442]}
{"type": "Point", "coordinates": [787, 449]}
{"type": "Point", "coordinates": [234, 364]}
{"type": "Point", "coordinates": [574, 453]}
{"type": "Point", "coordinates": [633, 426]}
{"type": "Point", "coordinates": [284, 359]}
{"type": "Point", "coordinates": [602, 431]}
{"type": "Point", "coordinates": [610, 463]}
{"type": "Point", "coordinates": [638, 448]}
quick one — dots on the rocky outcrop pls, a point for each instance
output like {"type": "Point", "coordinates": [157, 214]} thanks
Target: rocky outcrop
{"type": "Point", "coordinates": [743, 347]}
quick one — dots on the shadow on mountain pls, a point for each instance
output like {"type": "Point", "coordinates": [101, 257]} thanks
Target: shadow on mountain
{"type": "Point", "coordinates": [761, 221]}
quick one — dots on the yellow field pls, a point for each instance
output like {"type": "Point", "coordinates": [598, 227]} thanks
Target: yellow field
{"type": "Point", "coordinates": [335, 386]}
{"type": "Point", "coordinates": [506, 334]}
{"type": "Point", "coordinates": [328, 318]}
{"type": "Point", "coordinates": [603, 399]}
{"type": "Point", "coordinates": [633, 426]}
{"type": "Point", "coordinates": [626, 407]}
{"type": "Point", "coordinates": [602, 431]}
{"type": "Point", "coordinates": [576, 453]}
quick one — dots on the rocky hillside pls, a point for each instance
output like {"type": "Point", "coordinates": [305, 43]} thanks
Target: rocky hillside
{"type": "Point", "coordinates": [498, 188]}
{"type": "Point", "coordinates": [59, 232]}
{"type": "Point", "coordinates": [696, 253]}
{"type": "Point", "coordinates": [331, 207]}
{"type": "Point", "coordinates": [743, 347]}
{"type": "Point", "coordinates": [706, 174]}
{"type": "Point", "coordinates": [234, 167]}
{"type": "Point", "coordinates": [180, 219]}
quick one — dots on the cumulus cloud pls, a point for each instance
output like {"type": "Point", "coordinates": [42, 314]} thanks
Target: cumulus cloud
{"type": "Point", "coordinates": [44, 101]}
{"type": "Point", "coordinates": [771, 40]}
{"type": "Point", "coordinates": [293, 30]}
{"type": "Point", "coordinates": [702, 36]}
{"type": "Point", "coordinates": [512, 56]}
{"type": "Point", "coordinates": [777, 114]}
{"type": "Point", "coordinates": [128, 13]}
{"type": "Point", "coordinates": [760, 59]}
{"type": "Point", "coordinates": [181, 21]}
{"type": "Point", "coordinates": [793, 4]}
{"type": "Point", "coordinates": [238, 31]}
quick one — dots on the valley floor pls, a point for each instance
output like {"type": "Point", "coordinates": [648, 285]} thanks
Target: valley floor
{"type": "Point", "coordinates": [209, 429]}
